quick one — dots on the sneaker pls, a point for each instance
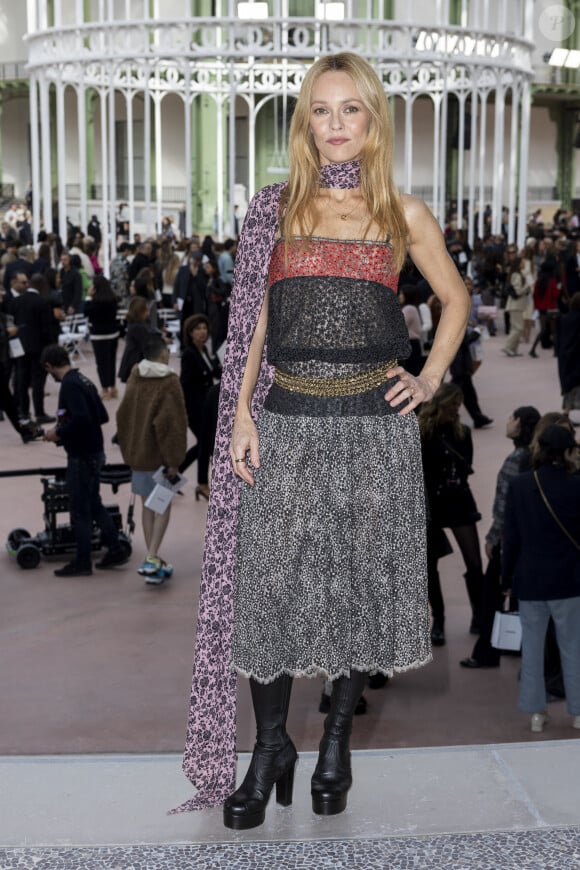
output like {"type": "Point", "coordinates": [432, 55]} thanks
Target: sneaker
{"type": "Point", "coordinates": [73, 570]}
{"type": "Point", "coordinates": [45, 418]}
{"type": "Point", "coordinates": [482, 421]}
{"type": "Point", "coordinates": [538, 721]}
{"type": "Point", "coordinates": [576, 722]}
{"type": "Point", "coordinates": [151, 565]}
{"type": "Point", "coordinates": [164, 573]}
{"type": "Point", "coordinates": [112, 558]}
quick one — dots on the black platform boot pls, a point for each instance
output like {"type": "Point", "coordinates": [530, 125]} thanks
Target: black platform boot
{"type": "Point", "coordinates": [273, 760]}
{"type": "Point", "coordinates": [332, 777]}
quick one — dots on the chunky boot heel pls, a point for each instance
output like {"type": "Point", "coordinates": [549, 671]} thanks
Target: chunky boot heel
{"type": "Point", "coordinates": [273, 759]}
{"type": "Point", "coordinates": [332, 777]}
{"type": "Point", "coordinates": [285, 787]}
{"type": "Point", "coordinates": [270, 766]}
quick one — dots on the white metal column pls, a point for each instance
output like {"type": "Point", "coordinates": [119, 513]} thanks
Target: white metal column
{"type": "Point", "coordinates": [220, 165]}
{"type": "Point", "coordinates": [515, 108]}
{"type": "Point", "coordinates": [460, 157]}
{"type": "Point", "coordinates": [471, 229]}
{"type": "Point", "coordinates": [61, 156]}
{"type": "Point", "coordinates": [147, 151]}
{"type": "Point", "coordinates": [35, 156]}
{"type": "Point", "coordinates": [187, 142]}
{"type": "Point", "coordinates": [498, 158]}
{"type": "Point", "coordinates": [443, 146]}
{"type": "Point", "coordinates": [523, 174]}
{"type": "Point", "coordinates": [482, 132]}
{"type": "Point", "coordinates": [251, 147]}
{"type": "Point", "coordinates": [82, 137]}
{"type": "Point", "coordinates": [232, 154]}
{"type": "Point", "coordinates": [408, 171]}
{"type": "Point", "coordinates": [158, 159]}
{"type": "Point", "coordinates": [46, 165]}
{"type": "Point", "coordinates": [130, 161]}
{"type": "Point", "coordinates": [436, 139]}
{"type": "Point", "coordinates": [104, 161]}
{"type": "Point", "coordinates": [109, 228]}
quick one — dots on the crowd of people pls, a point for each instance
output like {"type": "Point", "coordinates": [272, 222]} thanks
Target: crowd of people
{"type": "Point", "coordinates": [152, 285]}
{"type": "Point", "coordinates": [349, 572]}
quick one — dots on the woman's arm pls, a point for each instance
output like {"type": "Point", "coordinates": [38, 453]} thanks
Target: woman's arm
{"type": "Point", "coordinates": [244, 433]}
{"type": "Point", "coordinates": [427, 249]}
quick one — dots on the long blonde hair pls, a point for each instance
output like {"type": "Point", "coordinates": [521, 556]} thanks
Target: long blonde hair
{"type": "Point", "coordinates": [378, 189]}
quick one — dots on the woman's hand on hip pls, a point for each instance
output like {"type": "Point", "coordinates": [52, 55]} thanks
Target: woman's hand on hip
{"type": "Point", "coordinates": [409, 389]}
{"type": "Point", "coordinates": [244, 441]}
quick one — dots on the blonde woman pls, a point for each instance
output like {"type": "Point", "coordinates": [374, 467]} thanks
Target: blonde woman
{"type": "Point", "coordinates": [530, 274]}
{"type": "Point", "coordinates": [315, 561]}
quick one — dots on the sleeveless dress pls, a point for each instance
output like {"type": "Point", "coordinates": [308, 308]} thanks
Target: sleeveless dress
{"type": "Point", "coordinates": [330, 569]}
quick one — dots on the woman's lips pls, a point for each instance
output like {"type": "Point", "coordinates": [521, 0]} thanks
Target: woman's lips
{"type": "Point", "coordinates": [336, 141]}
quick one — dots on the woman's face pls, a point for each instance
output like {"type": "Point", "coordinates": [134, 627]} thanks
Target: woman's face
{"type": "Point", "coordinates": [339, 120]}
{"type": "Point", "coordinates": [513, 427]}
{"type": "Point", "coordinates": [199, 334]}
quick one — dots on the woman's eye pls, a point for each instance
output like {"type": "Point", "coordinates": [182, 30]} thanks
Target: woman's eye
{"type": "Point", "coordinates": [320, 110]}
{"type": "Point", "coordinates": [351, 109]}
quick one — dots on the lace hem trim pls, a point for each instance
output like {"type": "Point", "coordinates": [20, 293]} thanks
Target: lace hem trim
{"type": "Point", "coordinates": [313, 671]}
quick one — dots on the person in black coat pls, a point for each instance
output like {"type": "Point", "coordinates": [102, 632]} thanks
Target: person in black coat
{"type": "Point", "coordinates": [138, 334]}
{"type": "Point", "coordinates": [190, 289]}
{"type": "Point", "coordinates": [569, 355]}
{"type": "Point", "coordinates": [520, 428]}
{"type": "Point", "coordinates": [461, 370]}
{"type": "Point", "coordinates": [71, 284]}
{"type": "Point", "coordinates": [28, 432]}
{"type": "Point", "coordinates": [22, 263]}
{"type": "Point", "coordinates": [34, 319]}
{"type": "Point", "coordinates": [447, 451]}
{"type": "Point", "coordinates": [199, 371]}
{"type": "Point", "coordinates": [541, 567]}
{"type": "Point", "coordinates": [101, 310]}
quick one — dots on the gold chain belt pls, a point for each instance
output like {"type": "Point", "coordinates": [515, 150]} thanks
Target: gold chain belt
{"type": "Point", "coordinates": [329, 387]}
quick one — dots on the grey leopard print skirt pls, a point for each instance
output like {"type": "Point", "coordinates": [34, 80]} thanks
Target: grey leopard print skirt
{"type": "Point", "coordinates": [331, 561]}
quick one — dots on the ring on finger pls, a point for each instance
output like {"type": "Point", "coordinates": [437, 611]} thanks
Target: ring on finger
{"type": "Point", "coordinates": [241, 459]}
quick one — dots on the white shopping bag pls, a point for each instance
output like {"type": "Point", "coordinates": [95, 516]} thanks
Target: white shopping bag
{"type": "Point", "coordinates": [162, 493]}
{"type": "Point", "coordinates": [507, 631]}
{"type": "Point", "coordinates": [159, 498]}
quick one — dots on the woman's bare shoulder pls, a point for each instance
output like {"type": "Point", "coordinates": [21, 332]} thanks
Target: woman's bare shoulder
{"type": "Point", "coordinates": [415, 209]}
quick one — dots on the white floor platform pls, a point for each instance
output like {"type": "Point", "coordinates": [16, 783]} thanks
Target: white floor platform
{"type": "Point", "coordinates": [123, 799]}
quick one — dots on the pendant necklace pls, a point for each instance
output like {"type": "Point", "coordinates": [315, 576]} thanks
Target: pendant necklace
{"type": "Point", "coordinates": [341, 214]}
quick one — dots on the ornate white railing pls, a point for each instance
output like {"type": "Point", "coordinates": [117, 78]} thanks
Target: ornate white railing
{"type": "Point", "coordinates": [228, 58]}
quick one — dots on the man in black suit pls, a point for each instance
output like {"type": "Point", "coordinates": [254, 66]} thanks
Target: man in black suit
{"type": "Point", "coordinates": [71, 284]}
{"type": "Point", "coordinates": [32, 316]}
{"type": "Point", "coordinates": [22, 263]}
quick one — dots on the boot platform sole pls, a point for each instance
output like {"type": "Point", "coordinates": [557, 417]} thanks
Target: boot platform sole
{"type": "Point", "coordinates": [243, 822]}
{"type": "Point", "coordinates": [327, 805]}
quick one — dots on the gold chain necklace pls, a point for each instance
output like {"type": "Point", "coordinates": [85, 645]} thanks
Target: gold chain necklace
{"type": "Point", "coordinates": [341, 214]}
